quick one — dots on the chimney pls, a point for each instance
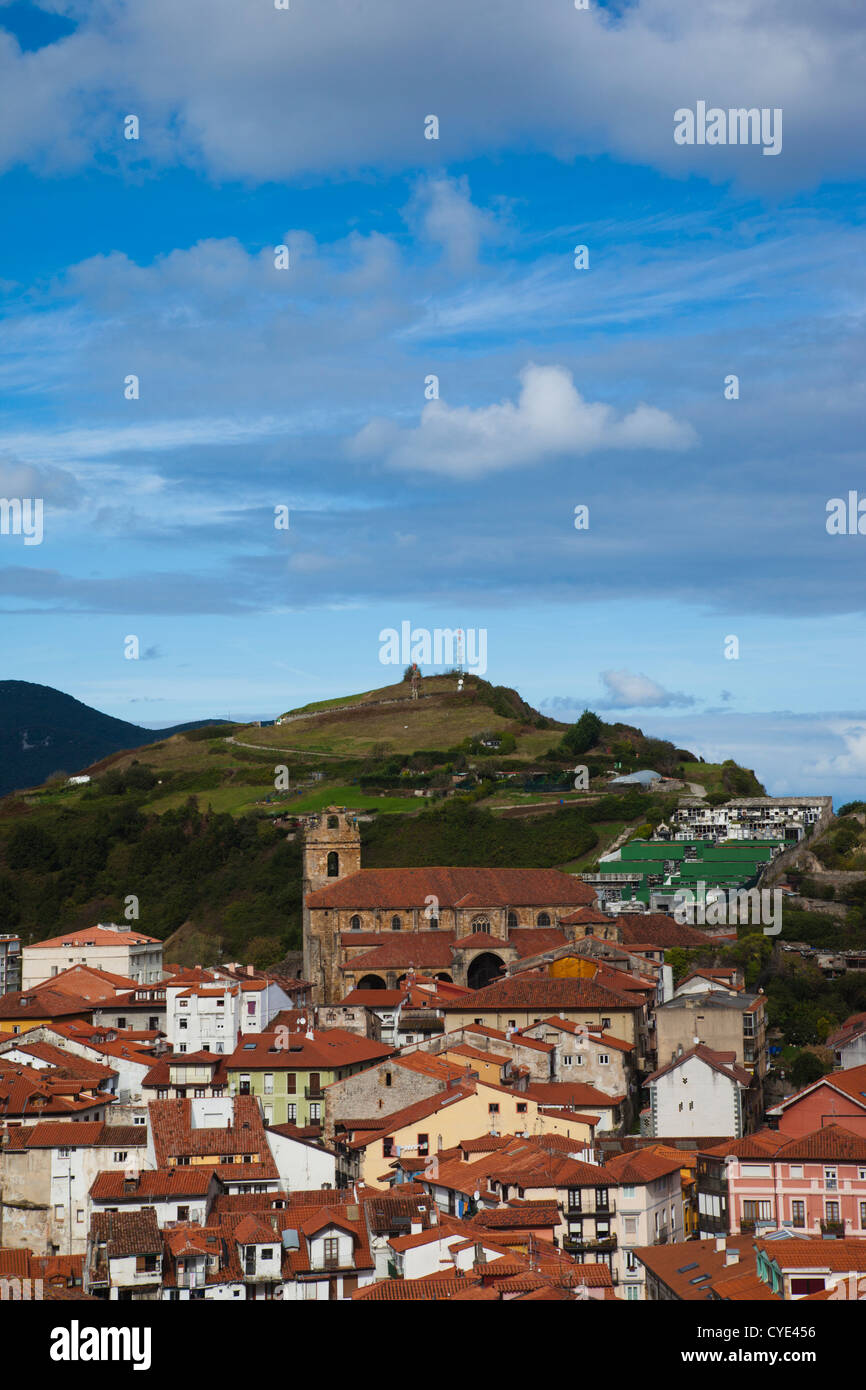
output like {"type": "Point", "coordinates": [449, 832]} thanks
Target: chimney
{"type": "Point", "coordinates": [732, 1257]}
{"type": "Point", "coordinates": [720, 1244]}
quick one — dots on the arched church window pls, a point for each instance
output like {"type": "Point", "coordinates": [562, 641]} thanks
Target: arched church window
{"type": "Point", "coordinates": [355, 922]}
{"type": "Point", "coordinates": [543, 919]}
{"type": "Point", "coordinates": [333, 864]}
{"type": "Point", "coordinates": [333, 823]}
{"type": "Point", "coordinates": [512, 919]}
{"type": "Point", "coordinates": [396, 924]}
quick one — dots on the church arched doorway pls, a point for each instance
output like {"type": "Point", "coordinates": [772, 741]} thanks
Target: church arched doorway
{"type": "Point", "coordinates": [483, 969]}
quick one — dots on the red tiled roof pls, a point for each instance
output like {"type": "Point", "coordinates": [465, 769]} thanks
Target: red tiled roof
{"type": "Point", "coordinates": [425, 950]}
{"type": "Point", "coordinates": [800, 1253]}
{"type": "Point", "coordinates": [127, 1232]}
{"type": "Point", "coordinates": [491, 887]}
{"type": "Point", "coordinates": [328, 1049]}
{"type": "Point", "coordinates": [533, 941]}
{"type": "Point", "coordinates": [657, 930]}
{"type": "Point", "coordinates": [571, 1094]}
{"type": "Point", "coordinates": [587, 1031]}
{"type": "Point", "coordinates": [96, 936]}
{"type": "Point", "coordinates": [532, 991]}
{"type": "Point", "coordinates": [153, 1185]}
{"type": "Point", "coordinates": [833, 1141]}
{"type": "Point", "coordinates": [643, 1166]}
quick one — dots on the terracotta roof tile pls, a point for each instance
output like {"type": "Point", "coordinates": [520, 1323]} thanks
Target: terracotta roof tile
{"type": "Point", "coordinates": [492, 887]}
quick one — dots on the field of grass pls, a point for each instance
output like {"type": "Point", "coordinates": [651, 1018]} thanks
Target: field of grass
{"type": "Point", "coordinates": [401, 690]}
{"type": "Point", "coordinates": [354, 733]}
{"type": "Point", "coordinates": [353, 797]}
{"type": "Point", "coordinates": [235, 799]}
{"type": "Point", "coordinates": [709, 775]}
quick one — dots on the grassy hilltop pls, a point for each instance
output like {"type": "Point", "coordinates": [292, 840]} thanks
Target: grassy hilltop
{"type": "Point", "coordinates": [193, 825]}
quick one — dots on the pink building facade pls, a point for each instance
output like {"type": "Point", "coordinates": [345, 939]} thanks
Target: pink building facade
{"type": "Point", "coordinates": [815, 1185]}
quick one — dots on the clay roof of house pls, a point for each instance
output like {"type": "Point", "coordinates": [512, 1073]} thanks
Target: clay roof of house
{"type": "Point", "coordinates": [761, 1144]}
{"type": "Point", "coordinates": [126, 1232]}
{"type": "Point", "coordinates": [428, 1064]}
{"type": "Point", "coordinates": [433, 1287]}
{"type": "Point", "coordinates": [722, 1062]}
{"type": "Point", "coordinates": [518, 1216]}
{"type": "Point", "coordinates": [328, 1049]}
{"type": "Point", "coordinates": [830, 1255]}
{"type": "Point", "coordinates": [252, 1231]}
{"type": "Point", "coordinates": [96, 936]}
{"type": "Point", "coordinates": [519, 1039]}
{"type": "Point", "coordinates": [533, 991]}
{"type": "Point", "coordinates": [155, 1185]}
{"type": "Point", "coordinates": [643, 1165]}
{"type": "Point", "coordinates": [486, 887]}
{"type": "Point", "coordinates": [572, 1095]}
{"type": "Point", "coordinates": [588, 1032]}
{"type": "Point", "coordinates": [174, 1136]}
{"type": "Point", "coordinates": [61, 1134]}
{"type": "Point", "coordinates": [832, 1141]}
{"type": "Point", "coordinates": [723, 975]}
{"type": "Point", "coordinates": [65, 1064]}
{"type": "Point", "coordinates": [657, 930]}
{"type": "Point", "coordinates": [477, 1054]}
{"type": "Point", "coordinates": [692, 1269]}
{"type": "Point", "coordinates": [47, 1002]}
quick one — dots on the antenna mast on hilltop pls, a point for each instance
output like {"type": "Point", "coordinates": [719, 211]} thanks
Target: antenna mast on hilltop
{"type": "Point", "coordinates": [460, 650]}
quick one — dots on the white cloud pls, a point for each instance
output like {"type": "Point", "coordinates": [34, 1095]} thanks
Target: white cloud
{"type": "Point", "coordinates": [246, 91]}
{"type": "Point", "coordinates": [549, 418]}
{"type": "Point", "coordinates": [442, 210]}
{"type": "Point", "coordinates": [627, 690]}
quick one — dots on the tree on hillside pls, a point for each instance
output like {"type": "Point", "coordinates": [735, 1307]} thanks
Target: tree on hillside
{"type": "Point", "coordinates": [583, 735]}
{"type": "Point", "coordinates": [806, 1069]}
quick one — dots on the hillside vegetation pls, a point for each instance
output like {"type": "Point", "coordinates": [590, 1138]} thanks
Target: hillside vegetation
{"type": "Point", "coordinates": [194, 829]}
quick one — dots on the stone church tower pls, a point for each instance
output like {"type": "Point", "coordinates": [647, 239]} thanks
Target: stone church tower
{"type": "Point", "coordinates": [332, 850]}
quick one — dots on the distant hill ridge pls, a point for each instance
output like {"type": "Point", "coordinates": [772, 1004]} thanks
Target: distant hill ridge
{"type": "Point", "coordinates": [44, 731]}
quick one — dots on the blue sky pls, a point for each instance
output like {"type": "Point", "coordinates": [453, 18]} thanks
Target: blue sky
{"type": "Point", "coordinates": [453, 257]}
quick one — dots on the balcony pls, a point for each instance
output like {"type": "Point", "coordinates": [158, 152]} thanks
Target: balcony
{"type": "Point", "coordinates": [575, 1212]}
{"type": "Point", "coordinates": [575, 1246]}
{"type": "Point", "coordinates": [833, 1228]}
{"type": "Point", "coordinates": [314, 1093]}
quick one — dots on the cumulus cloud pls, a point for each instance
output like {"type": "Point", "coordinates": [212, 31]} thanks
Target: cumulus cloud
{"type": "Point", "coordinates": [626, 690]}
{"type": "Point", "coordinates": [550, 417]}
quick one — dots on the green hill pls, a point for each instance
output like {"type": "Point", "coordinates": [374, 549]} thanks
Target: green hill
{"type": "Point", "coordinates": [44, 732]}
{"type": "Point", "coordinates": [187, 824]}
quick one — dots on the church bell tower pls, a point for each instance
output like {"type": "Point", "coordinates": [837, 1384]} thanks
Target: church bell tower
{"type": "Point", "coordinates": [332, 850]}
